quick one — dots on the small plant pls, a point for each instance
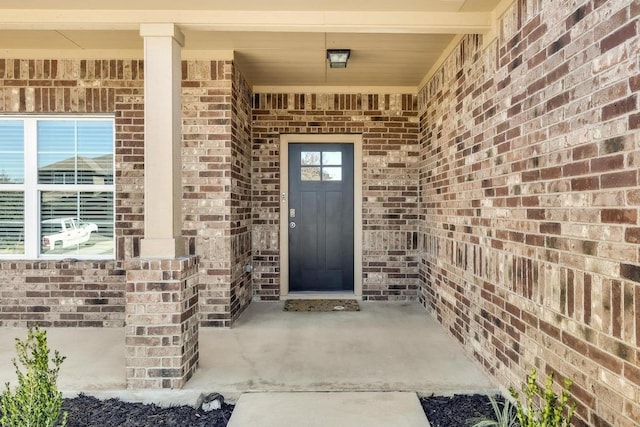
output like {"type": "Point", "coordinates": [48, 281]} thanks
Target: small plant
{"type": "Point", "coordinates": [551, 414]}
{"type": "Point", "coordinates": [36, 401]}
{"type": "Point", "coordinates": [505, 415]}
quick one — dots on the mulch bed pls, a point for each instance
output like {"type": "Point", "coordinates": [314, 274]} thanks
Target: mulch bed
{"type": "Point", "coordinates": [457, 410]}
{"type": "Point", "coordinates": [87, 411]}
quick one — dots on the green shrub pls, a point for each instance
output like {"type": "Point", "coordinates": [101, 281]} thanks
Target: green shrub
{"type": "Point", "coordinates": [551, 414]}
{"type": "Point", "coordinates": [505, 415]}
{"type": "Point", "coordinates": [36, 401]}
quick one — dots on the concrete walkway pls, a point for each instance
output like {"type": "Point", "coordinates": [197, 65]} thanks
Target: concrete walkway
{"type": "Point", "coordinates": [94, 357]}
{"type": "Point", "coordinates": [343, 409]}
{"type": "Point", "coordinates": [385, 347]}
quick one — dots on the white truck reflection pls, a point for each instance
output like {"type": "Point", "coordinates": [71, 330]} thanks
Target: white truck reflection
{"type": "Point", "coordinates": [65, 232]}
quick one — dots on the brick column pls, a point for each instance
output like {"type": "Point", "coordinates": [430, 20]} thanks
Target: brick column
{"type": "Point", "coordinates": [161, 333]}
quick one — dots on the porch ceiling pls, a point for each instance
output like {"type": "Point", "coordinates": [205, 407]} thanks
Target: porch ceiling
{"type": "Point", "coordinates": [275, 43]}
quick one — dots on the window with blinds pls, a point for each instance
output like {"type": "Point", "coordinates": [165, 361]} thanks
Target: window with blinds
{"type": "Point", "coordinates": [56, 187]}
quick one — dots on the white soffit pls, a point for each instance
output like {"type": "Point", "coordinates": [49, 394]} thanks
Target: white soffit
{"type": "Point", "coordinates": [262, 5]}
{"type": "Point", "coordinates": [275, 43]}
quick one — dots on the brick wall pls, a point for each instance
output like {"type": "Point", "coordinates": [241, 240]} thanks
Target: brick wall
{"type": "Point", "coordinates": [161, 332]}
{"type": "Point", "coordinates": [206, 156]}
{"type": "Point", "coordinates": [78, 293]}
{"type": "Point", "coordinates": [241, 285]}
{"type": "Point", "coordinates": [61, 293]}
{"type": "Point", "coordinates": [217, 180]}
{"type": "Point", "coordinates": [529, 200]}
{"type": "Point", "coordinates": [389, 126]}
{"type": "Point", "coordinates": [92, 293]}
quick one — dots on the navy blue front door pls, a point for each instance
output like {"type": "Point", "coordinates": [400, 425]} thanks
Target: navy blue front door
{"type": "Point", "coordinates": [320, 217]}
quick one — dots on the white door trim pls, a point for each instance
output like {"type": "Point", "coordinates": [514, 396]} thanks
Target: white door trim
{"type": "Point", "coordinates": [285, 140]}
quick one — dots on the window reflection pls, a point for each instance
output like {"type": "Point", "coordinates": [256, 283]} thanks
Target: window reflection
{"type": "Point", "coordinates": [11, 222]}
{"type": "Point", "coordinates": [76, 223]}
{"type": "Point", "coordinates": [332, 174]}
{"type": "Point", "coordinates": [328, 162]}
{"type": "Point", "coordinates": [11, 152]}
{"type": "Point", "coordinates": [310, 174]}
{"type": "Point", "coordinates": [66, 165]}
{"type": "Point", "coordinates": [75, 152]}
{"type": "Point", "coordinates": [332, 158]}
{"type": "Point", "coordinates": [310, 158]}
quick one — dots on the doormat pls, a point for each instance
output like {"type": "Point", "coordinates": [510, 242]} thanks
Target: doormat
{"type": "Point", "coordinates": [321, 305]}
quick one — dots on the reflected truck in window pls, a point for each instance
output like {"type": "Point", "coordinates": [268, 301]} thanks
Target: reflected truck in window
{"type": "Point", "coordinates": [65, 233]}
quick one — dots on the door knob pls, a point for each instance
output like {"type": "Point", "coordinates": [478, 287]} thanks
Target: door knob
{"type": "Point", "coordinates": [292, 224]}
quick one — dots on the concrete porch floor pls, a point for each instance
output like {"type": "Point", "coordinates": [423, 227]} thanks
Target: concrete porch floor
{"type": "Point", "coordinates": [384, 347]}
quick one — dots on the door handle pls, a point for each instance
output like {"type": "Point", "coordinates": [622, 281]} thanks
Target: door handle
{"type": "Point", "coordinates": [292, 224]}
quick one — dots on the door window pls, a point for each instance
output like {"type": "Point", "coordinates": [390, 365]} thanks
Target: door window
{"type": "Point", "coordinates": [321, 166]}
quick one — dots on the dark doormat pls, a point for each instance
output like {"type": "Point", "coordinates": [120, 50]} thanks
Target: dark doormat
{"type": "Point", "coordinates": [321, 305]}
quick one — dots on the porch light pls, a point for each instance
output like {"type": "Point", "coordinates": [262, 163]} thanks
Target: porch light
{"type": "Point", "coordinates": [338, 57]}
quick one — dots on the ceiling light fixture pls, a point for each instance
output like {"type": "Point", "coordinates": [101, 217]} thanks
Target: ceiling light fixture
{"type": "Point", "coordinates": [338, 57]}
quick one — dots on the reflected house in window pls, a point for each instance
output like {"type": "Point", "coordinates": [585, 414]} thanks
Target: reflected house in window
{"type": "Point", "coordinates": [67, 166]}
{"type": "Point", "coordinates": [321, 166]}
{"type": "Point", "coordinates": [87, 205]}
{"type": "Point", "coordinates": [78, 170]}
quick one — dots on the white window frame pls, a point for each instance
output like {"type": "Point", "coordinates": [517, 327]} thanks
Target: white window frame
{"type": "Point", "coordinates": [32, 189]}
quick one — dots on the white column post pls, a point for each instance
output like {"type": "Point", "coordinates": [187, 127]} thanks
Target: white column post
{"type": "Point", "coordinates": [162, 142]}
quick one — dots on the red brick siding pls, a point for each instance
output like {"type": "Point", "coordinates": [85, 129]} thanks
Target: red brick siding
{"type": "Point", "coordinates": [207, 176]}
{"type": "Point", "coordinates": [161, 332]}
{"type": "Point", "coordinates": [79, 86]}
{"type": "Point", "coordinates": [65, 293]}
{"type": "Point", "coordinates": [79, 293]}
{"type": "Point", "coordinates": [389, 126]}
{"type": "Point", "coordinates": [529, 200]}
{"type": "Point", "coordinates": [241, 285]}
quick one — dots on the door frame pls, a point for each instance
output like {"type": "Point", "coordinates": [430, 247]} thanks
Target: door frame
{"type": "Point", "coordinates": [285, 140]}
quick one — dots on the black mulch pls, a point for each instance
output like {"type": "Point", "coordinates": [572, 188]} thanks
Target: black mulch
{"type": "Point", "coordinates": [457, 410]}
{"type": "Point", "coordinates": [87, 411]}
